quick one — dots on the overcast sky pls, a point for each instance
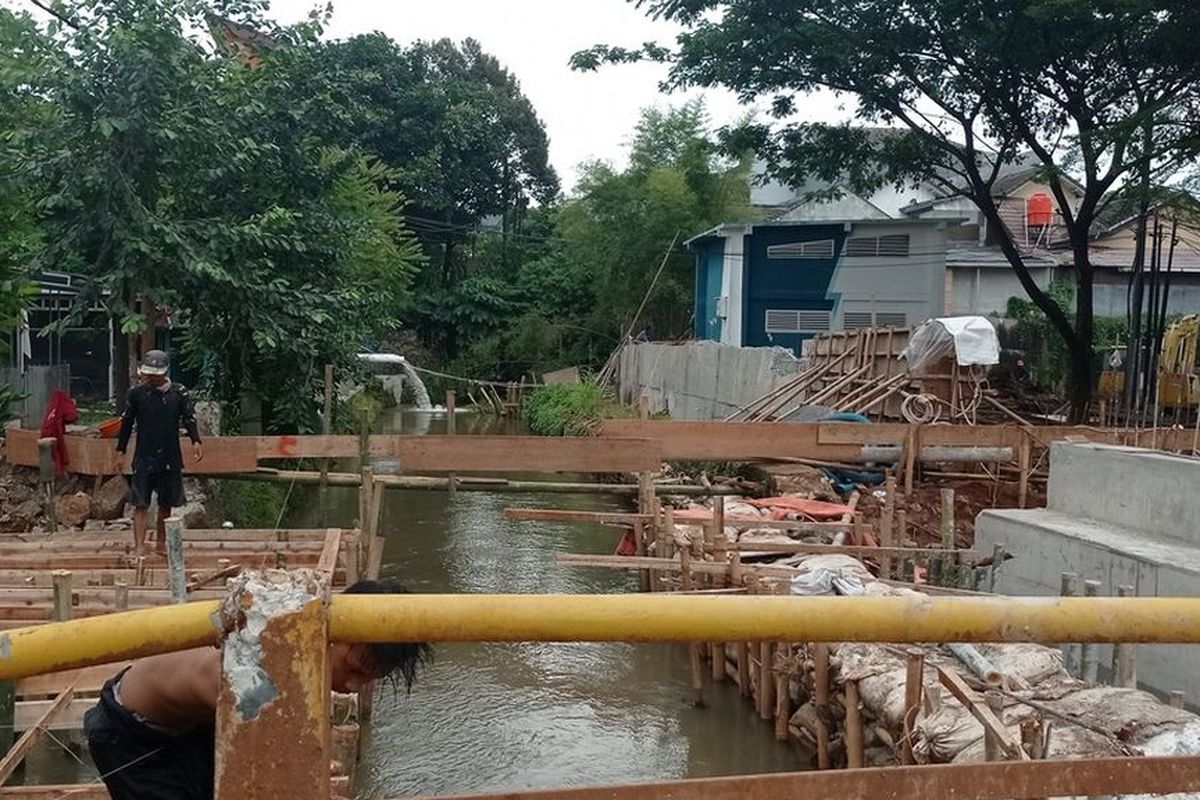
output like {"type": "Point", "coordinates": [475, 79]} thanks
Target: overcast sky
{"type": "Point", "coordinates": [587, 115]}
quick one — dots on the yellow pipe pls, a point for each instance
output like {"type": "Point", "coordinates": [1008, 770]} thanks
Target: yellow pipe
{"type": "Point", "coordinates": [632, 617]}
{"type": "Point", "coordinates": [679, 618]}
{"type": "Point", "coordinates": [111, 637]}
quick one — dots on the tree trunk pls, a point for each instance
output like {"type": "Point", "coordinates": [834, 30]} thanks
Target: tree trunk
{"type": "Point", "coordinates": [1083, 371]}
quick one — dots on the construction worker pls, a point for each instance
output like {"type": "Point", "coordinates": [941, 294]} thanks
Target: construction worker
{"type": "Point", "coordinates": [151, 734]}
{"type": "Point", "coordinates": [157, 408]}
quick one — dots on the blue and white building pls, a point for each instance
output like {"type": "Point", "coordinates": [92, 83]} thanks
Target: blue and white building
{"type": "Point", "coordinates": [781, 282]}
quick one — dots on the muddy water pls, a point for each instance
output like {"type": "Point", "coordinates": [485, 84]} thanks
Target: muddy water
{"type": "Point", "coordinates": [492, 717]}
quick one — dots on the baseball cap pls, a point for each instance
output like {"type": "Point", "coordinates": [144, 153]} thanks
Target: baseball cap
{"type": "Point", "coordinates": [155, 362]}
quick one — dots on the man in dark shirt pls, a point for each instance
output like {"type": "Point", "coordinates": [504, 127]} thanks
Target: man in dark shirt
{"type": "Point", "coordinates": [158, 408]}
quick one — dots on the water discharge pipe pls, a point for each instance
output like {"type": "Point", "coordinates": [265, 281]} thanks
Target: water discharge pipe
{"type": "Point", "coordinates": [666, 618]}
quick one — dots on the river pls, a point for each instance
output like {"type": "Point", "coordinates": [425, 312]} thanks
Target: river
{"type": "Point", "coordinates": [491, 717]}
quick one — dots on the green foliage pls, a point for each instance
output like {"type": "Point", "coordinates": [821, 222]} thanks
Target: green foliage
{"type": "Point", "coordinates": [188, 179]}
{"type": "Point", "coordinates": [571, 409]}
{"type": "Point", "coordinates": [1047, 356]}
{"type": "Point", "coordinates": [250, 504]}
{"type": "Point", "coordinates": [565, 291]}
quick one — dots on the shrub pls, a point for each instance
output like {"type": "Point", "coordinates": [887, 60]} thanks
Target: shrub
{"type": "Point", "coordinates": [571, 409]}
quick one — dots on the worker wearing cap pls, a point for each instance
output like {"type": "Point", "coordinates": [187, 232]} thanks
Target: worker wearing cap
{"type": "Point", "coordinates": [158, 408]}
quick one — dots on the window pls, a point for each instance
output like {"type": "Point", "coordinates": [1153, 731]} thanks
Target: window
{"type": "Point", "coordinates": [891, 319]}
{"type": "Point", "coordinates": [821, 248]}
{"type": "Point", "coordinates": [893, 245]}
{"type": "Point", "coordinates": [853, 320]}
{"type": "Point", "coordinates": [787, 320]}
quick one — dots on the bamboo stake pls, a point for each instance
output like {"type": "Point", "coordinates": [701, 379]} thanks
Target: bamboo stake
{"type": "Point", "coordinates": [1124, 666]}
{"type": "Point", "coordinates": [327, 429]}
{"type": "Point", "coordinates": [1091, 661]}
{"type": "Point", "coordinates": [914, 681]}
{"type": "Point", "coordinates": [1069, 588]}
{"type": "Point", "coordinates": [783, 699]}
{"type": "Point", "coordinates": [820, 653]}
{"type": "Point", "coordinates": [992, 748]}
{"type": "Point", "coordinates": [855, 756]}
{"type": "Point", "coordinates": [766, 680]}
{"type": "Point", "coordinates": [1023, 463]}
{"type": "Point", "coordinates": [886, 530]}
{"type": "Point", "coordinates": [743, 668]}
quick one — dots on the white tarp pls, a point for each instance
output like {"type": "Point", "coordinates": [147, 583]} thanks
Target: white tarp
{"type": "Point", "coordinates": [972, 340]}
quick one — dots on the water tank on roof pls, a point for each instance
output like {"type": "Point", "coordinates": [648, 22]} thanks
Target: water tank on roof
{"type": "Point", "coordinates": [1039, 209]}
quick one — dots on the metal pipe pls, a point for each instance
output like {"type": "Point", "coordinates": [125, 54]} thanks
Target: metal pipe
{"type": "Point", "coordinates": [602, 618]}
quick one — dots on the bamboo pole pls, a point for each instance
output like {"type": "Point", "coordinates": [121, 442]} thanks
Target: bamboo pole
{"type": "Point", "coordinates": [1124, 665]}
{"type": "Point", "coordinates": [326, 429]}
{"type": "Point", "coordinates": [46, 479]}
{"type": "Point", "coordinates": [1069, 588]}
{"type": "Point", "coordinates": [1023, 457]}
{"type": "Point", "coordinates": [886, 530]}
{"type": "Point", "coordinates": [766, 680]}
{"type": "Point", "coordinates": [1090, 657]}
{"type": "Point", "coordinates": [993, 749]}
{"type": "Point", "coordinates": [178, 578]}
{"type": "Point", "coordinates": [742, 651]}
{"type": "Point", "coordinates": [783, 698]}
{"type": "Point", "coordinates": [451, 429]}
{"type": "Point", "coordinates": [820, 655]}
{"type": "Point", "coordinates": [914, 690]}
{"type": "Point", "coordinates": [855, 755]}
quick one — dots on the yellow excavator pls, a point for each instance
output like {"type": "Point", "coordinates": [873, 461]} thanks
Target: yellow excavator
{"type": "Point", "coordinates": [1178, 372]}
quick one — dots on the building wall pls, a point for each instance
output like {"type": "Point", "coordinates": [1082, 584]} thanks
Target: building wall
{"type": "Point", "coordinates": [731, 280]}
{"type": "Point", "coordinates": [1111, 287]}
{"type": "Point", "coordinates": [710, 266]}
{"type": "Point", "coordinates": [986, 290]}
{"type": "Point", "coordinates": [904, 290]}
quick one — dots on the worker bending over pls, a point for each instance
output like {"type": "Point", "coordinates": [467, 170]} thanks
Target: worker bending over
{"type": "Point", "coordinates": [151, 734]}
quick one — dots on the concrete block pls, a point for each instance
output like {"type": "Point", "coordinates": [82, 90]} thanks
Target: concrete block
{"type": "Point", "coordinates": [1127, 486]}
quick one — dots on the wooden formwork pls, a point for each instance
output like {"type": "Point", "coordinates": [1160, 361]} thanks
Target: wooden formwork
{"type": "Point", "coordinates": [63, 579]}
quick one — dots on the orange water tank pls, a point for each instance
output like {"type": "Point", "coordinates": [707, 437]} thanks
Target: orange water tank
{"type": "Point", "coordinates": [1039, 209]}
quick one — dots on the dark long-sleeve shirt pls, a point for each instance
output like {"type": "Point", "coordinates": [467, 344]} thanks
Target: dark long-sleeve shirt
{"type": "Point", "coordinates": [158, 414]}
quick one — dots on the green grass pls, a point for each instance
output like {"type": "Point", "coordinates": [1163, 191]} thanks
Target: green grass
{"type": "Point", "coordinates": [249, 504]}
{"type": "Point", "coordinates": [572, 409]}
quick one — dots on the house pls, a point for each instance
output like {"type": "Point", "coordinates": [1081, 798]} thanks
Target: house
{"type": "Point", "coordinates": [783, 281]}
{"type": "Point", "coordinates": [1114, 245]}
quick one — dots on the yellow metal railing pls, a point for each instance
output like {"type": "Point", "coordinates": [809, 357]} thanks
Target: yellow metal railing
{"type": "Point", "coordinates": [636, 617]}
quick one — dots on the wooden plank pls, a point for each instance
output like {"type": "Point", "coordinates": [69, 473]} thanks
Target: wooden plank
{"type": "Point", "coordinates": [984, 715]}
{"type": "Point", "coordinates": [17, 753]}
{"type": "Point", "coordinates": [979, 781]}
{"type": "Point", "coordinates": [329, 553]}
{"type": "Point", "coordinates": [967, 556]}
{"type": "Point", "coordinates": [667, 565]}
{"type": "Point", "coordinates": [630, 518]}
{"type": "Point", "coordinates": [710, 441]}
{"type": "Point", "coordinates": [339, 784]}
{"type": "Point", "coordinates": [68, 718]}
{"type": "Point", "coordinates": [87, 680]}
{"type": "Point", "coordinates": [527, 454]}
{"type": "Point", "coordinates": [94, 456]}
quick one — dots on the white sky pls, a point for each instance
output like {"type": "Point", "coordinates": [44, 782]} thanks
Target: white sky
{"type": "Point", "coordinates": [587, 115]}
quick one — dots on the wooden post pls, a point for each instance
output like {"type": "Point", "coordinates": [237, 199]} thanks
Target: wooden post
{"type": "Point", "coordinates": [178, 577]}
{"type": "Point", "coordinates": [1090, 657]}
{"type": "Point", "coordinates": [716, 654]}
{"type": "Point", "coordinates": [62, 580]}
{"type": "Point", "coordinates": [911, 456]}
{"type": "Point", "coordinates": [1069, 588]}
{"type": "Point", "coordinates": [1023, 459]}
{"type": "Point", "coordinates": [326, 429]}
{"type": "Point", "coordinates": [46, 478]}
{"type": "Point", "coordinates": [783, 698]}
{"type": "Point", "coordinates": [743, 668]}
{"type": "Point", "coordinates": [820, 655]}
{"type": "Point", "coordinates": [993, 749]}
{"type": "Point", "coordinates": [902, 567]}
{"type": "Point", "coordinates": [945, 569]}
{"type": "Point", "coordinates": [272, 718]}
{"type": "Point", "coordinates": [1176, 699]}
{"type": "Point", "coordinates": [8, 710]}
{"type": "Point", "coordinates": [886, 519]}
{"type": "Point", "coordinates": [451, 430]}
{"type": "Point", "coordinates": [855, 756]}
{"type": "Point", "coordinates": [644, 405]}
{"type": "Point", "coordinates": [766, 679]}
{"type": "Point", "coordinates": [997, 560]}
{"type": "Point", "coordinates": [121, 600]}
{"type": "Point", "coordinates": [1124, 667]}
{"type": "Point", "coordinates": [366, 481]}
{"type": "Point", "coordinates": [914, 689]}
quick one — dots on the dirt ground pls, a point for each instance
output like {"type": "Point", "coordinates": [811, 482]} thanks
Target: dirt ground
{"type": "Point", "coordinates": [924, 506]}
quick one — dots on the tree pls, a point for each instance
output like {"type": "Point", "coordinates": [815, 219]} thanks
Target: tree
{"type": "Point", "coordinates": [181, 177]}
{"type": "Point", "coordinates": [1104, 89]}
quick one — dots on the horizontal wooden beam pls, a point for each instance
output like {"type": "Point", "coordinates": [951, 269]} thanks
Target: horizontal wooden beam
{"type": "Point", "coordinates": [629, 518]}
{"type": "Point", "coordinates": [980, 781]}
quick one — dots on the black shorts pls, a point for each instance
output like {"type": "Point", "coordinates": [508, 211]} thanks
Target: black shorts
{"type": "Point", "coordinates": [167, 485]}
{"type": "Point", "coordinates": [139, 760]}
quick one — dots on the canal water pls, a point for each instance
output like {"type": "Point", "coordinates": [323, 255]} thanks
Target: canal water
{"type": "Point", "coordinates": [492, 717]}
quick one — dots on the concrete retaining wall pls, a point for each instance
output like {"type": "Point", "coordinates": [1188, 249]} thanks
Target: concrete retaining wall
{"type": "Point", "coordinates": [702, 380]}
{"type": "Point", "coordinates": [1119, 515]}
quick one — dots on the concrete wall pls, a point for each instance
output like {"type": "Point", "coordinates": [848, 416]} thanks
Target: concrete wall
{"type": "Point", "coordinates": [702, 380]}
{"type": "Point", "coordinates": [1119, 515]}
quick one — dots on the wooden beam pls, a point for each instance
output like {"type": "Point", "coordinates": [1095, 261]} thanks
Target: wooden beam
{"type": "Point", "coordinates": [329, 552]}
{"type": "Point", "coordinates": [978, 781]}
{"type": "Point", "coordinates": [96, 791]}
{"type": "Point", "coordinates": [630, 518]}
{"type": "Point", "coordinates": [974, 703]}
{"type": "Point", "coordinates": [87, 680]}
{"type": "Point", "coordinates": [31, 736]}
